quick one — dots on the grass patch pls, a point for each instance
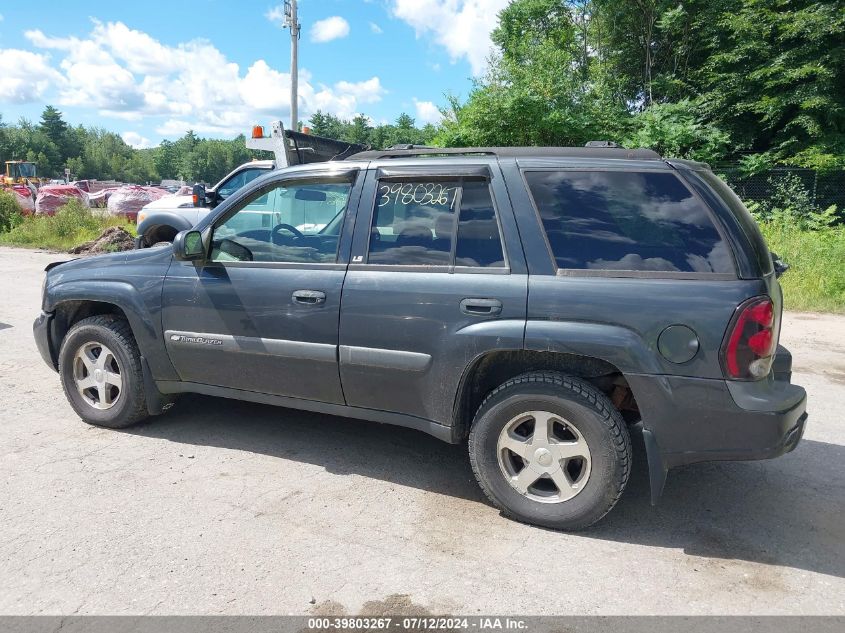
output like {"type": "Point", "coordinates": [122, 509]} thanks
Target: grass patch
{"type": "Point", "coordinates": [815, 280]}
{"type": "Point", "coordinates": [72, 225]}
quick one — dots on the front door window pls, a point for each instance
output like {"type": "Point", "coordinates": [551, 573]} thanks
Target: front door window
{"type": "Point", "coordinates": [285, 223]}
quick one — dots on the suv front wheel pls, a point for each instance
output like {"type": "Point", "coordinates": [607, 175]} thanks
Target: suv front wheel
{"type": "Point", "coordinates": [551, 450]}
{"type": "Point", "coordinates": [100, 371]}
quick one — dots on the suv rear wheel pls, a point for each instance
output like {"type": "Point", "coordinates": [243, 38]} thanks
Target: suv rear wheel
{"type": "Point", "coordinates": [551, 450]}
{"type": "Point", "coordinates": [100, 371]}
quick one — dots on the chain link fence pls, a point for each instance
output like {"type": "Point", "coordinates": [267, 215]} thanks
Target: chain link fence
{"type": "Point", "coordinates": [823, 188]}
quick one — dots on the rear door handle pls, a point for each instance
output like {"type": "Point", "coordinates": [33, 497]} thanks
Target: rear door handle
{"type": "Point", "coordinates": [309, 297]}
{"type": "Point", "coordinates": [481, 307]}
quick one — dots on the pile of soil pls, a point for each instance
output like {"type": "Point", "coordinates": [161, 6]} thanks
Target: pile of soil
{"type": "Point", "coordinates": [113, 239]}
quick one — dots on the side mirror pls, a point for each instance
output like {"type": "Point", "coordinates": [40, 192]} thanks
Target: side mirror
{"type": "Point", "coordinates": [780, 265]}
{"type": "Point", "coordinates": [198, 193]}
{"type": "Point", "coordinates": [188, 246]}
{"type": "Point", "coordinates": [204, 197]}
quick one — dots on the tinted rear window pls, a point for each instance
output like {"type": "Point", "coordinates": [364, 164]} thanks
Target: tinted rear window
{"type": "Point", "coordinates": [743, 216]}
{"type": "Point", "coordinates": [627, 221]}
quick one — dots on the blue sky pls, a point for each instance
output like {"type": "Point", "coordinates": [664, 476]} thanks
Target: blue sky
{"type": "Point", "coordinates": [151, 70]}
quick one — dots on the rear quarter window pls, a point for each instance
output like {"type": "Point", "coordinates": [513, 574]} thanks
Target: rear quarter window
{"type": "Point", "coordinates": [627, 221]}
{"type": "Point", "coordinates": [743, 216]}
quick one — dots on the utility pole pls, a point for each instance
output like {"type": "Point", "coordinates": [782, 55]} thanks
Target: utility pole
{"type": "Point", "coordinates": [292, 22]}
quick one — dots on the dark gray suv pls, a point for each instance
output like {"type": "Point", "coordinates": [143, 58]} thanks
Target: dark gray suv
{"type": "Point", "coordinates": [534, 303]}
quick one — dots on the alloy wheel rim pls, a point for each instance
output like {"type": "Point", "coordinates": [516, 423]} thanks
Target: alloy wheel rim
{"type": "Point", "coordinates": [544, 457]}
{"type": "Point", "coordinates": [97, 375]}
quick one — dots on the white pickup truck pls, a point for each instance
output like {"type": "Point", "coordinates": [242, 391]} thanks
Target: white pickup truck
{"type": "Point", "coordinates": [161, 220]}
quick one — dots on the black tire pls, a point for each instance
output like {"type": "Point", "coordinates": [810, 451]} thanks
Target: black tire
{"type": "Point", "coordinates": [595, 418]}
{"type": "Point", "coordinates": [114, 333]}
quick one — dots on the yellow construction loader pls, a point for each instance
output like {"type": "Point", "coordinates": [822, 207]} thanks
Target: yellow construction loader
{"type": "Point", "coordinates": [21, 172]}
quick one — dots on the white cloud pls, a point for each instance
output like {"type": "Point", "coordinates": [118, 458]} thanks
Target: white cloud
{"type": "Point", "coordinates": [25, 76]}
{"type": "Point", "coordinates": [427, 112]}
{"type": "Point", "coordinates": [462, 27]}
{"type": "Point", "coordinates": [332, 28]}
{"type": "Point", "coordinates": [276, 15]}
{"type": "Point", "coordinates": [375, 28]}
{"type": "Point", "coordinates": [369, 91]}
{"type": "Point", "coordinates": [343, 98]}
{"type": "Point", "coordinates": [136, 140]}
{"type": "Point", "coordinates": [127, 74]}
{"type": "Point", "coordinates": [264, 88]}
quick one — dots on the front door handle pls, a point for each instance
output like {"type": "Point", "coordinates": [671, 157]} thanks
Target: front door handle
{"type": "Point", "coordinates": [481, 307]}
{"type": "Point", "coordinates": [309, 297]}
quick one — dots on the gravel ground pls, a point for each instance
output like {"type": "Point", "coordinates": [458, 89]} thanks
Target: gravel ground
{"type": "Point", "coordinates": [234, 508]}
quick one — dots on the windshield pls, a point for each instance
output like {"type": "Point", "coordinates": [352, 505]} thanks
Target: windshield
{"type": "Point", "coordinates": [237, 181]}
{"type": "Point", "coordinates": [25, 170]}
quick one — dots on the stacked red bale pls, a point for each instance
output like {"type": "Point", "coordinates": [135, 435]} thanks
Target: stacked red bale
{"type": "Point", "coordinates": [128, 200]}
{"type": "Point", "coordinates": [52, 197]}
{"type": "Point", "coordinates": [101, 197]}
{"type": "Point", "coordinates": [25, 199]}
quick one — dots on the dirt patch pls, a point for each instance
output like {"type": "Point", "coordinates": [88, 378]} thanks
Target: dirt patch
{"type": "Point", "coordinates": [112, 240]}
{"type": "Point", "coordinates": [329, 607]}
{"type": "Point", "coordinates": [835, 374]}
{"type": "Point", "coordinates": [392, 605]}
{"type": "Point", "coordinates": [396, 604]}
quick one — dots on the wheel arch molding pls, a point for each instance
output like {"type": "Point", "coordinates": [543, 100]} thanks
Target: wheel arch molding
{"type": "Point", "coordinates": [156, 220]}
{"type": "Point", "coordinates": [73, 301]}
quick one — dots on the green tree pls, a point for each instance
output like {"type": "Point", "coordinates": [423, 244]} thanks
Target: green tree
{"type": "Point", "coordinates": [76, 166]}
{"type": "Point", "coordinates": [544, 87]}
{"type": "Point", "coordinates": [678, 130]}
{"type": "Point", "coordinates": [53, 125]}
{"type": "Point", "coordinates": [405, 131]}
{"type": "Point", "coordinates": [776, 79]}
{"type": "Point", "coordinates": [328, 125]}
{"type": "Point", "coordinates": [166, 160]}
{"type": "Point", "coordinates": [358, 131]}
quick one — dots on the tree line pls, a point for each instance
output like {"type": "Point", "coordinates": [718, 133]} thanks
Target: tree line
{"type": "Point", "coordinates": [96, 153]}
{"type": "Point", "coordinates": [758, 82]}
{"type": "Point", "coordinates": [754, 82]}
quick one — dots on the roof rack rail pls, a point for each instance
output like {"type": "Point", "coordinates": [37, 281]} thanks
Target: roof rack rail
{"type": "Point", "coordinates": [591, 151]}
{"type": "Point", "coordinates": [409, 146]}
{"type": "Point", "coordinates": [600, 144]}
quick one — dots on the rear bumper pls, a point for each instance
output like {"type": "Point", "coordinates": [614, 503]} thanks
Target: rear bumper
{"type": "Point", "coordinates": [695, 420]}
{"type": "Point", "coordinates": [41, 331]}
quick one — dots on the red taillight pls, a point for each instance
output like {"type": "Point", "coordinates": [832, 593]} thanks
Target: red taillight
{"type": "Point", "coordinates": [750, 345]}
{"type": "Point", "coordinates": [762, 312]}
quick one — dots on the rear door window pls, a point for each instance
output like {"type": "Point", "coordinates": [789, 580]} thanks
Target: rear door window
{"type": "Point", "coordinates": [627, 221]}
{"type": "Point", "coordinates": [415, 224]}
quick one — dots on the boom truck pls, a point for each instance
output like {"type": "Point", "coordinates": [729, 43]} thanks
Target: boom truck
{"type": "Point", "coordinates": [161, 220]}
